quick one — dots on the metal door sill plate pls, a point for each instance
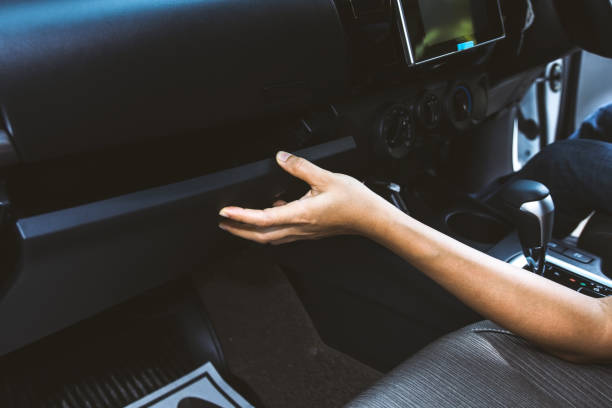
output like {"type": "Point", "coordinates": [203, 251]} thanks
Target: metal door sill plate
{"type": "Point", "coordinates": [202, 388]}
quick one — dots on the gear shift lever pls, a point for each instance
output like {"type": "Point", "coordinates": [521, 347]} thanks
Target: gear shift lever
{"type": "Point", "coordinates": [532, 209]}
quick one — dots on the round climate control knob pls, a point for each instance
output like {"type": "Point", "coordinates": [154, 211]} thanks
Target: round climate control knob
{"type": "Point", "coordinates": [461, 104]}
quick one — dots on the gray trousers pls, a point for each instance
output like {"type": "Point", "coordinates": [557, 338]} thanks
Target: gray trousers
{"type": "Point", "coordinates": [484, 365]}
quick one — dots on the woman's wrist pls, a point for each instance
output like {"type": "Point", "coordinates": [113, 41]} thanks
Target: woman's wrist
{"type": "Point", "coordinates": [379, 220]}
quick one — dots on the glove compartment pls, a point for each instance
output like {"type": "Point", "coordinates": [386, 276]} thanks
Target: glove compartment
{"type": "Point", "coordinates": [79, 261]}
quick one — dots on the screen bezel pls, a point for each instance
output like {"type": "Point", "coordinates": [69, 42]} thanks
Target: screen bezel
{"type": "Point", "coordinates": [407, 43]}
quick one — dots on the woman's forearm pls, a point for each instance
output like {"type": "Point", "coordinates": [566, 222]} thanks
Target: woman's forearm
{"type": "Point", "coordinates": [552, 316]}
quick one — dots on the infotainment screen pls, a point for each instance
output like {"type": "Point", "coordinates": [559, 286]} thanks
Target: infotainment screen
{"type": "Point", "coordinates": [432, 29]}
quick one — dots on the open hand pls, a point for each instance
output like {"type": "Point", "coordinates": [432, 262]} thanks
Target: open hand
{"type": "Point", "coordinates": [336, 204]}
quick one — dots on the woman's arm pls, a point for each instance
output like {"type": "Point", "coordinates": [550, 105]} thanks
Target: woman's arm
{"type": "Point", "coordinates": [563, 322]}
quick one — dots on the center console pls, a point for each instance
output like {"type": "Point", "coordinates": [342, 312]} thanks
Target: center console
{"type": "Point", "coordinates": [529, 208]}
{"type": "Point", "coordinates": [573, 268]}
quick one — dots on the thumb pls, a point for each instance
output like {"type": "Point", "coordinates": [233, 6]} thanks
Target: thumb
{"type": "Point", "coordinates": [301, 168]}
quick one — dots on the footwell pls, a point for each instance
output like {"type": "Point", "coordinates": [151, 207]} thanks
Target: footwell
{"type": "Point", "coordinates": [117, 358]}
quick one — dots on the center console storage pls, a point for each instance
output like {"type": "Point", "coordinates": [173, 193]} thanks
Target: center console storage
{"type": "Point", "coordinates": [477, 226]}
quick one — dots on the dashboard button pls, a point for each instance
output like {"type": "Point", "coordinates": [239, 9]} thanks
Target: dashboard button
{"type": "Point", "coordinates": [591, 293]}
{"type": "Point", "coordinates": [578, 256]}
{"type": "Point", "coordinates": [553, 246]}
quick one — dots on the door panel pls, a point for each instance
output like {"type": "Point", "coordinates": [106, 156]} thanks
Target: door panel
{"type": "Point", "coordinates": [595, 85]}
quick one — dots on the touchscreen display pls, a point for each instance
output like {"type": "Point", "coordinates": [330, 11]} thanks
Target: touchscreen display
{"type": "Point", "coordinates": [435, 28]}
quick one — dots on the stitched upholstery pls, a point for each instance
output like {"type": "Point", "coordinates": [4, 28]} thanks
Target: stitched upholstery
{"type": "Point", "coordinates": [484, 365]}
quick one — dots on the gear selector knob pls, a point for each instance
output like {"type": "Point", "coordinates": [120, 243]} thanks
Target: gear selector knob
{"type": "Point", "coordinates": [531, 206]}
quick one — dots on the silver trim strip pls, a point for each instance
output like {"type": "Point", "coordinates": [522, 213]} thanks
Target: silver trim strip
{"type": "Point", "coordinates": [408, 46]}
{"type": "Point", "coordinates": [516, 163]}
{"type": "Point", "coordinates": [406, 36]}
{"type": "Point", "coordinates": [520, 262]}
{"type": "Point", "coordinates": [457, 52]}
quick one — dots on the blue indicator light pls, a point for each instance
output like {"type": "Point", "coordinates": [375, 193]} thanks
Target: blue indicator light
{"type": "Point", "coordinates": [465, 45]}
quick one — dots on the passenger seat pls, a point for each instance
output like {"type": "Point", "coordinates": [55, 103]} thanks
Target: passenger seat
{"type": "Point", "coordinates": [484, 365]}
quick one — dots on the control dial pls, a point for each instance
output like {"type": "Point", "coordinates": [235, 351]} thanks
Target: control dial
{"type": "Point", "coordinates": [397, 131]}
{"type": "Point", "coordinates": [461, 104]}
{"type": "Point", "coordinates": [467, 104]}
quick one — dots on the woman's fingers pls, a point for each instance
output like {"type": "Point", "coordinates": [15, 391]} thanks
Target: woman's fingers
{"type": "Point", "coordinates": [261, 235]}
{"type": "Point", "coordinates": [282, 213]}
{"type": "Point", "coordinates": [313, 216]}
{"type": "Point", "coordinates": [302, 169]}
{"type": "Point", "coordinates": [293, 238]}
{"type": "Point", "coordinates": [286, 240]}
{"type": "Point", "coordinates": [292, 213]}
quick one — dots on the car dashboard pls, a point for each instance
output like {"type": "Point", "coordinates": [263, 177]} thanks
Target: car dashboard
{"type": "Point", "coordinates": [130, 124]}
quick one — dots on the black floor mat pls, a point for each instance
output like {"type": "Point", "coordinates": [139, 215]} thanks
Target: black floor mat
{"type": "Point", "coordinates": [117, 357]}
{"type": "Point", "coordinates": [270, 342]}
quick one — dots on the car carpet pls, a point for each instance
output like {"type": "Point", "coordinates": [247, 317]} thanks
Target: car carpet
{"type": "Point", "coordinates": [269, 341]}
